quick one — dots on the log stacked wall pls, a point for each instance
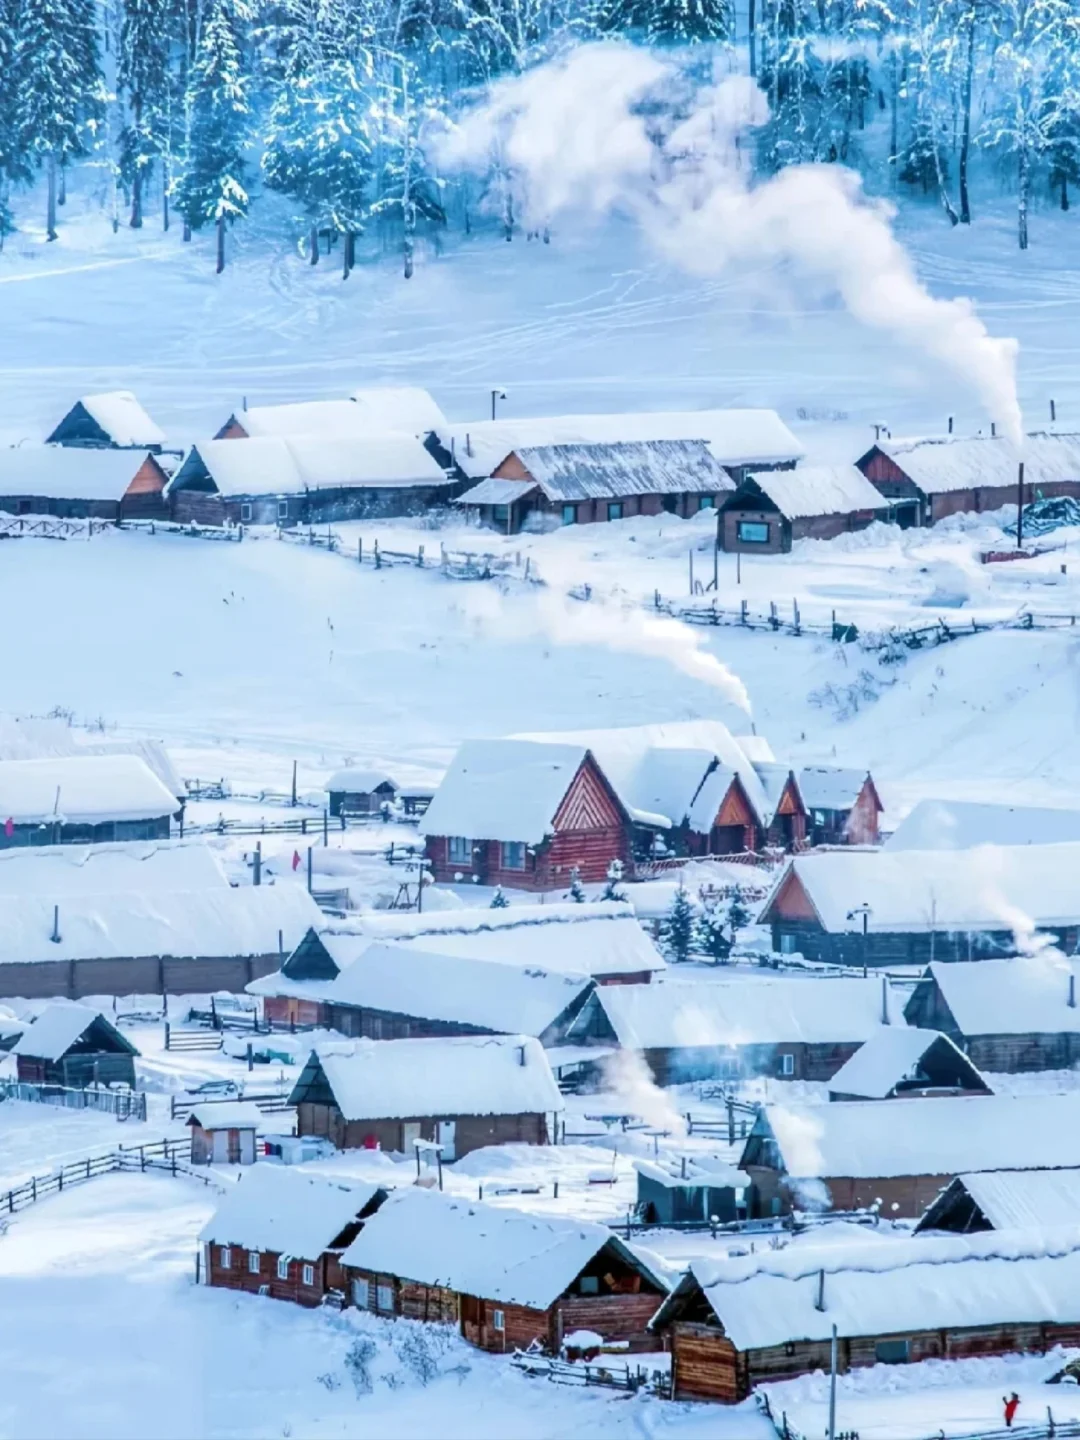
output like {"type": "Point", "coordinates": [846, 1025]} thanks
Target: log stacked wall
{"type": "Point", "coordinates": [239, 1277]}
{"type": "Point", "coordinates": [134, 975]}
{"type": "Point", "coordinates": [812, 1061]}
{"type": "Point", "coordinates": [472, 1132]}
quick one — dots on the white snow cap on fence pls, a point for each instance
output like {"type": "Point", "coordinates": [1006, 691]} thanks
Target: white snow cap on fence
{"type": "Point", "coordinates": [122, 418]}
{"type": "Point", "coordinates": [463, 1075]}
{"type": "Point", "coordinates": [483, 1250]}
{"type": "Point", "coordinates": [145, 866]}
{"type": "Point", "coordinates": [286, 1212]}
{"type": "Point", "coordinates": [83, 790]}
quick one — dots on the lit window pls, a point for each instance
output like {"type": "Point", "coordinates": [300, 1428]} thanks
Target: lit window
{"type": "Point", "coordinates": [309, 1275]}
{"type": "Point", "coordinates": [226, 1257]}
{"type": "Point", "coordinates": [460, 850]}
{"type": "Point", "coordinates": [614, 510]}
{"type": "Point", "coordinates": [498, 1319]}
{"type": "Point", "coordinates": [253, 1261]}
{"type": "Point", "coordinates": [384, 1298]}
{"type": "Point", "coordinates": [283, 1267]}
{"type": "Point", "coordinates": [513, 855]}
{"type": "Point", "coordinates": [787, 1064]}
{"type": "Point", "coordinates": [569, 514]}
{"type": "Point", "coordinates": [753, 532]}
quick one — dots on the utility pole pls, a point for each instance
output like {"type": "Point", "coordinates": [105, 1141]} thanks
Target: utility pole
{"type": "Point", "coordinates": [496, 395]}
{"type": "Point", "coordinates": [1020, 506]}
{"type": "Point", "coordinates": [832, 1386]}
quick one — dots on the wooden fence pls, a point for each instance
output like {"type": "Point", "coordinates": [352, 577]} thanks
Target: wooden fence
{"type": "Point", "coordinates": [49, 527]}
{"type": "Point", "coordinates": [180, 1107]}
{"type": "Point", "coordinates": [124, 1104]}
{"type": "Point", "coordinates": [171, 1155]}
{"type": "Point", "coordinates": [590, 1373]}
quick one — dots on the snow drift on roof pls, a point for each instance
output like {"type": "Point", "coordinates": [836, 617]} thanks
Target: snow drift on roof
{"type": "Point", "coordinates": [503, 790]}
{"type": "Point", "coordinates": [357, 781]}
{"type": "Point", "coordinates": [686, 1013]}
{"type": "Point", "coordinates": [122, 418]}
{"type": "Point", "coordinates": [399, 407]}
{"type": "Point", "coordinates": [477, 1249]}
{"type": "Point", "coordinates": [227, 1115]}
{"type": "Point", "coordinates": [638, 467]}
{"type": "Point", "coordinates": [887, 1057]}
{"type": "Point", "coordinates": [938, 1135]}
{"type": "Point", "coordinates": [492, 491]}
{"type": "Point", "coordinates": [962, 824]}
{"type": "Point", "coordinates": [467, 1075]}
{"type": "Point", "coordinates": [81, 790]}
{"type": "Point", "coordinates": [327, 418]}
{"type": "Point", "coordinates": [947, 463]}
{"type": "Point", "coordinates": [1025, 1199]}
{"type": "Point", "coordinates": [152, 752]}
{"type": "Point", "coordinates": [61, 472]}
{"type": "Point", "coordinates": [286, 1212]}
{"type": "Point", "coordinates": [147, 866]}
{"type": "Point", "coordinates": [1028, 995]}
{"type": "Point", "coordinates": [55, 1030]}
{"type": "Point", "coordinates": [735, 437]}
{"type": "Point", "coordinates": [819, 490]}
{"type": "Point", "coordinates": [830, 787]}
{"type": "Point", "coordinates": [280, 465]}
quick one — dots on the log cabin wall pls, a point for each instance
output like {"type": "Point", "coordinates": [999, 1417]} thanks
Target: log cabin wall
{"type": "Point", "coordinates": [144, 498]}
{"type": "Point", "coordinates": [1020, 1054]}
{"type": "Point", "coordinates": [791, 934]}
{"type": "Point", "coordinates": [472, 1132]}
{"type": "Point", "coordinates": [705, 1365]}
{"type": "Point", "coordinates": [239, 1275]}
{"type": "Point", "coordinates": [862, 826]}
{"type": "Point", "coordinates": [901, 1196]}
{"type": "Point", "coordinates": [615, 1317]}
{"type": "Point", "coordinates": [135, 975]}
{"type": "Point", "coordinates": [682, 1064]}
{"type": "Point", "coordinates": [289, 1010]}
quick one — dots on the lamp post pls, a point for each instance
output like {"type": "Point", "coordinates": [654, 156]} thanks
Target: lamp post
{"type": "Point", "coordinates": [496, 395]}
{"type": "Point", "coordinates": [865, 911]}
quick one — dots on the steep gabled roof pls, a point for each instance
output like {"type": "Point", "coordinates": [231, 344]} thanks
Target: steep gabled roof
{"type": "Point", "coordinates": [1027, 995]}
{"type": "Point", "coordinates": [1031, 1200]}
{"type": "Point", "coordinates": [120, 417]}
{"type": "Point", "coordinates": [945, 463]}
{"type": "Point", "coordinates": [503, 790]}
{"type": "Point", "coordinates": [293, 465]}
{"type": "Point", "coordinates": [898, 1053]}
{"type": "Point", "coordinates": [58, 1028]}
{"type": "Point", "coordinates": [60, 472]}
{"type": "Point", "coordinates": [618, 469]}
{"type": "Point", "coordinates": [811, 490]}
{"type": "Point", "coordinates": [286, 1212]}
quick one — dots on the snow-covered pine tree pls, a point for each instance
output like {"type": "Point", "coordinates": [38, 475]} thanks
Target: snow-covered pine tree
{"type": "Point", "coordinates": [669, 22]}
{"type": "Point", "coordinates": [577, 889]}
{"type": "Point", "coordinates": [13, 161]}
{"type": "Point", "coordinates": [143, 78]}
{"type": "Point", "coordinates": [712, 936]}
{"type": "Point", "coordinates": [499, 900]}
{"type": "Point", "coordinates": [213, 183]}
{"type": "Point", "coordinates": [677, 931]}
{"type": "Point", "coordinates": [58, 90]}
{"type": "Point", "coordinates": [738, 913]}
{"type": "Point", "coordinates": [409, 191]}
{"type": "Point", "coordinates": [613, 883]}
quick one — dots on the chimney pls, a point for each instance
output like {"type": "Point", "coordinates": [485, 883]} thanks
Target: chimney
{"type": "Point", "coordinates": [55, 936]}
{"type": "Point", "coordinates": [243, 403]}
{"type": "Point", "coordinates": [281, 946]}
{"type": "Point", "coordinates": [885, 1000]}
{"type": "Point", "coordinates": [1053, 411]}
{"type": "Point", "coordinates": [468, 443]}
{"type": "Point", "coordinates": [682, 1173]}
{"type": "Point", "coordinates": [1072, 990]}
{"type": "Point", "coordinates": [521, 1055]}
{"type": "Point", "coordinates": [256, 878]}
{"type": "Point", "coordinates": [819, 1302]}
{"type": "Point", "coordinates": [950, 424]}
{"type": "Point", "coordinates": [453, 442]}
{"type": "Point", "coordinates": [993, 429]}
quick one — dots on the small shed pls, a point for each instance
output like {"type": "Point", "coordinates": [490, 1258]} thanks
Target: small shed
{"type": "Point", "coordinates": [105, 484]}
{"type": "Point", "coordinates": [114, 421]}
{"type": "Point", "coordinates": [771, 509]}
{"type": "Point", "coordinates": [280, 1232]}
{"type": "Point", "coordinates": [74, 1046]}
{"type": "Point", "coordinates": [357, 791]}
{"type": "Point", "coordinates": [224, 1133]}
{"type": "Point", "coordinates": [842, 804]}
{"type": "Point", "coordinates": [459, 1093]}
{"type": "Point", "coordinates": [504, 1278]}
{"type": "Point", "coordinates": [690, 1188]}
{"type": "Point", "coordinates": [902, 1061]}
{"type": "Point", "coordinates": [1032, 1200]}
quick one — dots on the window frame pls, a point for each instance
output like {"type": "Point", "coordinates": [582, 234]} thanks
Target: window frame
{"type": "Point", "coordinates": [615, 510]}
{"type": "Point", "coordinates": [283, 509]}
{"type": "Point", "coordinates": [898, 1352]}
{"type": "Point", "coordinates": [706, 502]}
{"type": "Point", "coordinates": [384, 1299]}
{"type": "Point", "coordinates": [788, 943]}
{"type": "Point", "coordinates": [283, 1267]}
{"type": "Point", "coordinates": [569, 515]}
{"type": "Point", "coordinates": [787, 1065]}
{"type": "Point", "coordinates": [454, 845]}
{"type": "Point", "coordinates": [225, 1257]}
{"type": "Point", "coordinates": [246, 511]}
{"type": "Point", "coordinates": [498, 1321]}
{"type": "Point", "coordinates": [254, 1262]}
{"type": "Point", "coordinates": [742, 527]}
{"type": "Point", "coordinates": [515, 846]}
{"type": "Point", "coordinates": [307, 1275]}
{"type": "Point", "coordinates": [367, 1304]}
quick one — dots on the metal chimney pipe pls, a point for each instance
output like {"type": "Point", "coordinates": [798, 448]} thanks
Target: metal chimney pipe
{"type": "Point", "coordinates": [1072, 991]}
{"type": "Point", "coordinates": [819, 1301]}
{"type": "Point", "coordinates": [885, 1001]}
{"type": "Point", "coordinates": [950, 424]}
{"type": "Point", "coordinates": [1020, 505]}
{"type": "Point", "coordinates": [55, 936]}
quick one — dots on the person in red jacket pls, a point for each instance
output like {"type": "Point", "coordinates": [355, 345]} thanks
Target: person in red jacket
{"type": "Point", "coordinates": [1012, 1404]}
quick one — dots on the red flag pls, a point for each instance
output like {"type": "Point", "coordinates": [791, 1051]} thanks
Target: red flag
{"type": "Point", "coordinates": [296, 859]}
{"type": "Point", "coordinates": [9, 827]}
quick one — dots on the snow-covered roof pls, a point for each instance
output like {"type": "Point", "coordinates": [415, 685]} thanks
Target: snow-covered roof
{"type": "Point", "coordinates": [81, 790]}
{"type": "Point", "coordinates": [1025, 1199]}
{"type": "Point", "coordinates": [1028, 995]}
{"type": "Point", "coordinates": [698, 1170]}
{"type": "Point", "coordinates": [991, 887]}
{"type": "Point", "coordinates": [492, 491]}
{"type": "Point", "coordinates": [484, 1250]}
{"type": "Point", "coordinates": [407, 408]}
{"type": "Point", "coordinates": [954, 462]}
{"type": "Point", "coordinates": [938, 1135]}
{"type": "Point", "coordinates": [888, 1056]}
{"type": "Point", "coordinates": [357, 781]}
{"type": "Point", "coordinates": [152, 752]}
{"type": "Point", "coordinates": [147, 866]}
{"type": "Point", "coordinates": [55, 1031]}
{"type": "Point", "coordinates": [687, 1013]}
{"type": "Point", "coordinates": [178, 924]}
{"type": "Point", "coordinates": [23, 738]}
{"type": "Point", "coordinates": [227, 1115]}
{"type": "Point", "coordinates": [122, 418]}
{"type": "Point", "coordinates": [61, 472]}
{"type": "Point", "coordinates": [282, 1210]}
{"type": "Point", "coordinates": [962, 824]}
{"type": "Point", "coordinates": [819, 490]}
{"type": "Point", "coordinates": [503, 790]}
{"type": "Point", "coordinates": [462, 1075]}
{"type": "Point", "coordinates": [735, 437]}
{"type": "Point", "coordinates": [279, 465]}
{"type": "Point", "coordinates": [621, 468]}
{"type": "Point", "coordinates": [892, 1288]}
{"type": "Point", "coordinates": [329, 419]}
{"type": "Point", "coordinates": [829, 787]}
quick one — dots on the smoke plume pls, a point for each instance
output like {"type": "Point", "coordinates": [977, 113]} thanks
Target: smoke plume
{"type": "Point", "coordinates": [628, 1076]}
{"type": "Point", "coordinates": [610, 126]}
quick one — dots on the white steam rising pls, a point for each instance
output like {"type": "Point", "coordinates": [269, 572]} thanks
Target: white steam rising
{"type": "Point", "coordinates": [610, 126]}
{"type": "Point", "coordinates": [628, 1076]}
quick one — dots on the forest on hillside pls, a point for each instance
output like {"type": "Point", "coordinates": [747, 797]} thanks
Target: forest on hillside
{"type": "Point", "coordinates": [195, 107]}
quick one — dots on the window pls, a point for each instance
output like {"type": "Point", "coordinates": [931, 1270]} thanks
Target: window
{"type": "Point", "coordinates": [707, 502]}
{"type": "Point", "coordinates": [787, 944]}
{"type": "Point", "coordinates": [753, 532]}
{"type": "Point", "coordinates": [789, 1347]}
{"type": "Point", "coordinates": [283, 1267]}
{"type": "Point", "coordinates": [460, 850]}
{"type": "Point", "coordinates": [892, 1352]}
{"type": "Point", "coordinates": [513, 854]}
{"type": "Point", "coordinates": [787, 1064]}
{"type": "Point", "coordinates": [361, 1294]}
{"type": "Point", "coordinates": [384, 1299]}
{"type": "Point", "coordinates": [501, 513]}
{"type": "Point", "coordinates": [308, 1275]}
{"type": "Point", "coordinates": [282, 509]}
{"type": "Point", "coordinates": [226, 1257]}
{"type": "Point", "coordinates": [569, 514]}
{"type": "Point", "coordinates": [614, 510]}
{"type": "Point", "coordinates": [245, 510]}
{"type": "Point", "coordinates": [589, 1285]}
{"type": "Point", "coordinates": [498, 1319]}
{"type": "Point", "coordinates": [254, 1261]}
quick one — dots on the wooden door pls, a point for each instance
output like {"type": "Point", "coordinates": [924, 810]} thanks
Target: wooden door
{"type": "Point", "coordinates": [233, 1151]}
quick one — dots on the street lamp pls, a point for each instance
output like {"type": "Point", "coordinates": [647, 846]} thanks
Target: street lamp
{"type": "Point", "coordinates": [495, 396]}
{"type": "Point", "coordinates": [865, 911]}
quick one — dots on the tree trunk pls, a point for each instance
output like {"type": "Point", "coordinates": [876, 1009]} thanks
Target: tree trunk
{"type": "Point", "coordinates": [946, 203]}
{"type": "Point", "coordinates": [61, 198]}
{"type": "Point", "coordinates": [347, 255]}
{"type": "Point", "coordinates": [752, 26]}
{"type": "Point", "coordinates": [1024, 187]}
{"type": "Point", "coordinates": [164, 194]}
{"type": "Point", "coordinates": [220, 244]}
{"type": "Point", "coordinates": [313, 242]}
{"type": "Point", "coordinates": [1064, 191]}
{"type": "Point", "coordinates": [50, 199]}
{"type": "Point", "coordinates": [894, 120]}
{"type": "Point", "coordinates": [965, 137]}
{"type": "Point", "coordinates": [135, 222]}
{"type": "Point", "coordinates": [187, 230]}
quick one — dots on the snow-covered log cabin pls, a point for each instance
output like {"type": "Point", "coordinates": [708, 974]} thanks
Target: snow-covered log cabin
{"type": "Point", "coordinates": [927, 479]}
{"type": "Point", "coordinates": [74, 1046]}
{"type": "Point", "coordinates": [792, 1029]}
{"type": "Point", "coordinates": [381, 990]}
{"type": "Point", "coordinates": [82, 484]}
{"type": "Point", "coordinates": [692, 1187]}
{"type": "Point", "coordinates": [580, 484]}
{"type": "Point", "coordinates": [305, 480]}
{"type": "Point", "coordinates": [854, 1154]}
{"type": "Point", "coordinates": [376, 410]}
{"type": "Point", "coordinates": [734, 1324]}
{"type": "Point", "coordinates": [772, 509]}
{"type": "Point", "coordinates": [282, 1233]}
{"type": "Point", "coordinates": [901, 1061]}
{"type": "Point", "coordinates": [904, 907]}
{"type": "Point", "coordinates": [1005, 1200]}
{"type": "Point", "coordinates": [524, 815]}
{"type": "Point", "coordinates": [111, 421]}
{"type": "Point", "coordinates": [356, 791]}
{"type": "Point", "coordinates": [1009, 1016]}
{"type": "Point", "coordinates": [223, 1132]}
{"type": "Point", "coordinates": [460, 1094]}
{"type": "Point", "coordinates": [842, 805]}
{"type": "Point", "coordinates": [506, 1279]}
{"type": "Point", "coordinates": [80, 800]}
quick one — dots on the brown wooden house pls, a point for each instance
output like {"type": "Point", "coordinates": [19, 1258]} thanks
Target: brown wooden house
{"type": "Point", "coordinates": [904, 1062]}
{"type": "Point", "coordinates": [74, 1046]}
{"type": "Point", "coordinates": [224, 1132]}
{"type": "Point", "coordinates": [772, 509]}
{"type": "Point", "coordinates": [281, 1233]}
{"type": "Point", "coordinates": [1005, 1200]}
{"type": "Point", "coordinates": [111, 421]}
{"type": "Point", "coordinates": [460, 1094]}
{"type": "Point", "coordinates": [358, 791]}
{"type": "Point", "coordinates": [80, 484]}
{"type": "Point", "coordinates": [505, 1278]}
{"type": "Point", "coordinates": [842, 805]}
{"type": "Point", "coordinates": [735, 1324]}
{"type": "Point", "coordinates": [524, 814]}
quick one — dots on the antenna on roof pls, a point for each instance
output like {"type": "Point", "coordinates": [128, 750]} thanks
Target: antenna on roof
{"type": "Point", "coordinates": [1072, 991]}
{"type": "Point", "coordinates": [993, 429]}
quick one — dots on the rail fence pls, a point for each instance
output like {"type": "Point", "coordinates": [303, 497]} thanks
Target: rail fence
{"type": "Point", "coordinates": [49, 527]}
{"type": "Point", "coordinates": [124, 1104]}
{"type": "Point", "coordinates": [629, 1379]}
{"type": "Point", "coordinates": [173, 1156]}
{"type": "Point", "coordinates": [271, 1103]}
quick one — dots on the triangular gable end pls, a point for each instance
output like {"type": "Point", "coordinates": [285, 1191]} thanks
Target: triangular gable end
{"type": "Point", "coordinates": [312, 1087]}
{"type": "Point", "coordinates": [791, 801]}
{"type": "Point", "coordinates": [927, 1008]}
{"type": "Point", "coordinates": [736, 808]}
{"type": "Point", "coordinates": [311, 960]}
{"type": "Point", "coordinates": [233, 429]}
{"type": "Point", "coordinates": [590, 802]}
{"type": "Point", "coordinates": [790, 901]}
{"type": "Point", "coordinates": [101, 1033]}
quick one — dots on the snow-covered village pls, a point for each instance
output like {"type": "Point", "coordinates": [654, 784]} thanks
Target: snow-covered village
{"type": "Point", "coordinates": [539, 794]}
